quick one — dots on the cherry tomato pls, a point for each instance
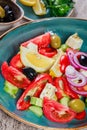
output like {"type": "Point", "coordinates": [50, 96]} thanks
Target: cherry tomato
{"type": "Point", "coordinates": [14, 76]}
{"type": "Point", "coordinates": [64, 62]}
{"type": "Point", "coordinates": [42, 40]}
{"type": "Point", "coordinates": [57, 112]}
{"type": "Point", "coordinates": [81, 115]}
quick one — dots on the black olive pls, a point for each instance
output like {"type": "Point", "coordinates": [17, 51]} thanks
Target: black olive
{"type": "Point", "coordinates": [30, 73]}
{"type": "Point", "coordinates": [83, 60]}
{"type": "Point", "coordinates": [7, 8]}
{"type": "Point", "coordinates": [9, 16]}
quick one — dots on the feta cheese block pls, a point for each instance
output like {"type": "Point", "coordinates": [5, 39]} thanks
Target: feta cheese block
{"type": "Point", "coordinates": [74, 41]}
{"type": "Point", "coordinates": [48, 91]}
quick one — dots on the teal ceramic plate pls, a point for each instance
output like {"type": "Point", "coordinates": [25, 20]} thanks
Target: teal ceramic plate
{"type": "Point", "coordinates": [9, 46]}
{"type": "Point", "coordinates": [29, 14]}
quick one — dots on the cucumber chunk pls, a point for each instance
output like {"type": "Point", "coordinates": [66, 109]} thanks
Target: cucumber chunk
{"type": "Point", "coordinates": [36, 101]}
{"type": "Point", "coordinates": [65, 100]}
{"type": "Point", "coordinates": [36, 110]}
{"type": "Point", "coordinates": [10, 89]}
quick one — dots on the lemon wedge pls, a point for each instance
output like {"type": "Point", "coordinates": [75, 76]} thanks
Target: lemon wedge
{"type": "Point", "coordinates": [2, 12]}
{"type": "Point", "coordinates": [35, 60]}
{"type": "Point", "coordinates": [28, 2]}
{"type": "Point", "coordinates": [55, 69]}
{"type": "Point", "coordinates": [39, 8]}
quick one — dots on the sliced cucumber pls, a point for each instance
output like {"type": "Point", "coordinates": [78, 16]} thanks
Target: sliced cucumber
{"type": "Point", "coordinates": [36, 101]}
{"type": "Point", "coordinates": [65, 100]}
{"type": "Point", "coordinates": [36, 110]}
{"type": "Point", "coordinates": [10, 89]}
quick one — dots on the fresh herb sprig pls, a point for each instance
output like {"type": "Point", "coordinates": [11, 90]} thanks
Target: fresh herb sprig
{"type": "Point", "coordinates": [59, 7]}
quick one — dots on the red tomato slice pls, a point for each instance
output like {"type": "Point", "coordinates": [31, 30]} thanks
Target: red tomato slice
{"type": "Point", "coordinates": [14, 76]}
{"type": "Point", "coordinates": [47, 51]}
{"type": "Point", "coordinates": [41, 40]}
{"type": "Point", "coordinates": [16, 62]}
{"type": "Point", "coordinates": [57, 112]}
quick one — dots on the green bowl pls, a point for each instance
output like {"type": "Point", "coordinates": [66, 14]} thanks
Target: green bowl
{"type": "Point", "coordinates": [9, 45]}
{"type": "Point", "coordinates": [30, 15]}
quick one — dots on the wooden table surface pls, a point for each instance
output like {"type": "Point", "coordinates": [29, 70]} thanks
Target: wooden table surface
{"type": "Point", "coordinates": [8, 123]}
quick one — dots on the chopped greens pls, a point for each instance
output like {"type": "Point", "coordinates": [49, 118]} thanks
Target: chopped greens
{"type": "Point", "coordinates": [59, 7]}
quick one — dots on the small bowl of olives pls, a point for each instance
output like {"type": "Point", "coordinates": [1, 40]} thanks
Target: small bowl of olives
{"type": "Point", "coordinates": [10, 13]}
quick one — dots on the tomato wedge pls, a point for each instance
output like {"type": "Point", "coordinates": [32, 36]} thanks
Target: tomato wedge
{"type": "Point", "coordinates": [63, 87]}
{"type": "Point", "coordinates": [41, 40]}
{"type": "Point", "coordinates": [48, 51]}
{"type": "Point", "coordinates": [16, 62]}
{"type": "Point", "coordinates": [38, 83]}
{"type": "Point", "coordinates": [14, 76]}
{"type": "Point", "coordinates": [81, 115]}
{"type": "Point", "coordinates": [57, 112]}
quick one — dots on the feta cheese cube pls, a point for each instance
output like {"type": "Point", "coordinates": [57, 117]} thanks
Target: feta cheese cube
{"type": "Point", "coordinates": [74, 41]}
{"type": "Point", "coordinates": [48, 91]}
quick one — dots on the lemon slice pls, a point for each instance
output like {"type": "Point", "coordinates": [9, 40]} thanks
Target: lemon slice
{"type": "Point", "coordinates": [35, 60]}
{"type": "Point", "coordinates": [55, 69]}
{"type": "Point", "coordinates": [39, 8]}
{"type": "Point", "coordinates": [28, 2]}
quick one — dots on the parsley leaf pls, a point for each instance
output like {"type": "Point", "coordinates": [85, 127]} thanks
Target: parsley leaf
{"type": "Point", "coordinates": [59, 7]}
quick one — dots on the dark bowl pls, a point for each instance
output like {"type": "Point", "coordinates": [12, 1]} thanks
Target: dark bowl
{"type": "Point", "coordinates": [18, 13]}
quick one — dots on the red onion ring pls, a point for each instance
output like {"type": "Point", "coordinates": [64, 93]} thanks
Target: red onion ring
{"type": "Point", "coordinates": [70, 72]}
{"type": "Point", "coordinates": [77, 62]}
{"type": "Point", "coordinates": [70, 54]}
{"type": "Point", "coordinates": [81, 84]}
{"type": "Point", "coordinates": [73, 74]}
{"type": "Point", "coordinates": [83, 93]}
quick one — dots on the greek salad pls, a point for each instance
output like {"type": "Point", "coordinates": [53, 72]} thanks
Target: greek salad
{"type": "Point", "coordinates": [52, 75]}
